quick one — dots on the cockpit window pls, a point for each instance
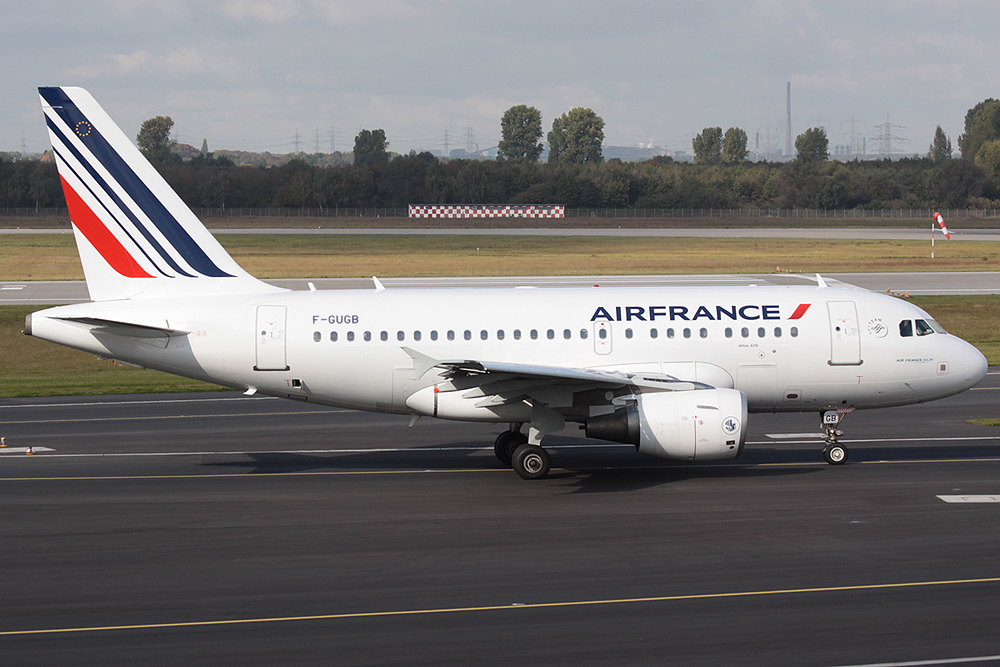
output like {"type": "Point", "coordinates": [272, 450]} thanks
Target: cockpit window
{"type": "Point", "coordinates": [923, 328]}
{"type": "Point", "coordinates": [906, 328]}
{"type": "Point", "coordinates": [937, 327]}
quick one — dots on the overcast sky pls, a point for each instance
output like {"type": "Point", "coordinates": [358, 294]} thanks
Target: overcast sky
{"type": "Point", "coordinates": [249, 74]}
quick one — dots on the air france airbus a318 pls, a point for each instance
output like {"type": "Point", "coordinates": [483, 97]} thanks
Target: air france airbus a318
{"type": "Point", "coordinates": [673, 371]}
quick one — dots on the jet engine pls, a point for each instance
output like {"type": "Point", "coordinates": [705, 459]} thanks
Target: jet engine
{"type": "Point", "coordinates": [697, 425]}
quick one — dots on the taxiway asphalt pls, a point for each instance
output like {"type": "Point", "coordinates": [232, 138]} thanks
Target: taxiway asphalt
{"type": "Point", "coordinates": [221, 529]}
{"type": "Point", "coordinates": [13, 293]}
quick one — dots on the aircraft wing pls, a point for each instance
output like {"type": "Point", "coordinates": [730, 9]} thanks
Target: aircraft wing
{"type": "Point", "coordinates": [491, 371]}
{"type": "Point", "coordinates": [495, 383]}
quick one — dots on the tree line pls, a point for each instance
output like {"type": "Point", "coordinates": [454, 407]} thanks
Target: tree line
{"type": "Point", "coordinates": [575, 174]}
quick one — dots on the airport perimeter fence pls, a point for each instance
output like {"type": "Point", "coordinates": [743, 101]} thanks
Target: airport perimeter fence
{"type": "Point", "coordinates": [652, 213]}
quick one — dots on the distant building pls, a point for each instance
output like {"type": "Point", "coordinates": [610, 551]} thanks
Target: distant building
{"type": "Point", "coordinates": [632, 153]}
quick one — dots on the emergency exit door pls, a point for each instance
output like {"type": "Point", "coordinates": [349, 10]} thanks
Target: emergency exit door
{"type": "Point", "coordinates": [602, 337]}
{"type": "Point", "coordinates": [271, 339]}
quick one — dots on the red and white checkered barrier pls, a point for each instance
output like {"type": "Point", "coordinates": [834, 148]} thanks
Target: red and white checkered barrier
{"type": "Point", "coordinates": [421, 211]}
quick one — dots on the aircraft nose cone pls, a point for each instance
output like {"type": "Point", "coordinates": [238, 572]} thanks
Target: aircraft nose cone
{"type": "Point", "coordinates": [974, 366]}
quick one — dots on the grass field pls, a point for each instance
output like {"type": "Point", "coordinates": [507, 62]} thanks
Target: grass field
{"type": "Point", "coordinates": [838, 219]}
{"type": "Point", "coordinates": [54, 257]}
{"type": "Point", "coordinates": [32, 367]}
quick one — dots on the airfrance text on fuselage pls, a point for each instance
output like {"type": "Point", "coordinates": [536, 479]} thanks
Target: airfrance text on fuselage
{"type": "Point", "coordinates": [690, 314]}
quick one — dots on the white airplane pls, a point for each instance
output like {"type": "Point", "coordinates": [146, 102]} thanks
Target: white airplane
{"type": "Point", "coordinates": [673, 371]}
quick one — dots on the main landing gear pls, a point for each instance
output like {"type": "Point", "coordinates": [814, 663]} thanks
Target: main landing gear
{"type": "Point", "coordinates": [528, 461]}
{"type": "Point", "coordinates": [834, 453]}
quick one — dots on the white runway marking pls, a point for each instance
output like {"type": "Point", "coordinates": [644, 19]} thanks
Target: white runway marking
{"type": "Point", "coordinates": [418, 450]}
{"type": "Point", "coordinates": [24, 450]}
{"type": "Point", "coordinates": [970, 499]}
{"type": "Point", "coordinates": [786, 436]}
{"type": "Point", "coordinates": [921, 663]}
{"type": "Point", "coordinates": [374, 450]}
{"type": "Point", "coordinates": [113, 403]}
{"type": "Point", "coordinates": [859, 440]}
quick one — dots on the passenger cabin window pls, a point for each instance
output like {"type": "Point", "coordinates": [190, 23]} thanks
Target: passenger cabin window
{"type": "Point", "coordinates": [583, 333]}
{"type": "Point", "coordinates": [603, 333]}
{"type": "Point", "coordinates": [384, 335]}
{"type": "Point", "coordinates": [534, 334]}
{"type": "Point", "coordinates": [400, 335]}
{"type": "Point", "coordinates": [703, 332]}
{"type": "Point", "coordinates": [517, 334]}
{"type": "Point", "coordinates": [416, 335]}
{"type": "Point", "coordinates": [761, 332]}
{"type": "Point", "coordinates": [451, 335]}
{"type": "Point", "coordinates": [467, 335]}
{"type": "Point", "coordinates": [484, 334]}
{"type": "Point", "coordinates": [906, 328]}
{"type": "Point", "coordinates": [550, 334]}
{"type": "Point", "coordinates": [745, 332]}
{"type": "Point", "coordinates": [777, 332]}
{"type": "Point", "coordinates": [687, 332]}
{"type": "Point", "coordinates": [923, 328]}
{"type": "Point", "coordinates": [670, 332]}
{"type": "Point", "coordinates": [628, 333]}
{"type": "Point", "coordinates": [794, 331]}
{"type": "Point", "coordinates": [317, 336]}
{"type": "Point", "coordinates": [567, 334]}
{"type": "Point", "coordinates": [653, 333]}
{"type": "Point", "coordinates": [350, 335]}
{"type": "Point", "coordinates": [434, 334]}
{"type": "Point", "coordinates": [368, 336]}
{"type": "Point", "coordinates": [333, 336]}
{"type": "Point", "coordinates": [500, 334]}
{"type": "Point", "coordinates": [729, 332]}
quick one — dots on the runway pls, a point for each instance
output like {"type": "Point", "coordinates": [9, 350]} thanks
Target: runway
{"type": "Point", "coordinates": [220, 529]}
{"type": "Point", "coordinates": [842, 232]}
{"type": "Point", "coordinates": [915, 283]}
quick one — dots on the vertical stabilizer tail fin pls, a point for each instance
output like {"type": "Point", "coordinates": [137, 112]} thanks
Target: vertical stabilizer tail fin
{"type": "Point", "coordinates": [135, 235]}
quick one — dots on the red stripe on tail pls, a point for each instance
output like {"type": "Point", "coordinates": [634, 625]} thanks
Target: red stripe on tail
{"type": "Point", "coordinates": [113, 252]}
{"type": "Point", "coordinates": [800, 311]}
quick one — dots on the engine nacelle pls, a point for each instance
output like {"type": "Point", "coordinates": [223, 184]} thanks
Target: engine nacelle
{"type": "Point", "coordinates": [700, 425]}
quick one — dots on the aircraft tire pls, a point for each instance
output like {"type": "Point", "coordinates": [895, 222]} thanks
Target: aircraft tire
{"type": "Point", "coordinates": [531, 462]}
{"type": "Point", "coordinates": [835, 455]}
{"type": "Point", "coordinates": [506, 444]}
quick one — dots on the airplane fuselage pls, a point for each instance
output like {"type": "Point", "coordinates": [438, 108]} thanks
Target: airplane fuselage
{"type": "Point", "coordinates": [786, 348]}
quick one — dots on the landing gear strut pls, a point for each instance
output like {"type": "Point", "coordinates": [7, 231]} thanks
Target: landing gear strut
{"type": "Point", "coordinates": [834, 453]}
{"type": "Point", "coordinates": [508, 442]}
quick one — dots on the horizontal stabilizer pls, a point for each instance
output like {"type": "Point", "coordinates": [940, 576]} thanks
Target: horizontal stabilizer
{"type": "Point", "coordinates": [125, 328]}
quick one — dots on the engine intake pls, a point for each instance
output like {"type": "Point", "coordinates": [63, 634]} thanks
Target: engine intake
{"type": "Point", "coordinates": [701, 425]}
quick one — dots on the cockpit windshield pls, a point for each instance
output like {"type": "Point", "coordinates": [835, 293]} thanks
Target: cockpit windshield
{"type": "Point", "coordinates": [923, 327]}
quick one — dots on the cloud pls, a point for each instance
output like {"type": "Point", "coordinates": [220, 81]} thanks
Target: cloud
{"type": "Point", "coordinates": [268, 11]}
{"type": "Point", "coordinates": [351, 12]}
{"type": "Point", "coordinates": [175, 64]}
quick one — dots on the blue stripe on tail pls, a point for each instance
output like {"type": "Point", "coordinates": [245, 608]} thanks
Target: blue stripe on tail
{"type": "Point", "coordinates": [134, 186]}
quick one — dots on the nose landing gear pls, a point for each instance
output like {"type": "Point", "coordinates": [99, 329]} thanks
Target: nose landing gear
{"type": "Point", "coordinates": [834, 453]}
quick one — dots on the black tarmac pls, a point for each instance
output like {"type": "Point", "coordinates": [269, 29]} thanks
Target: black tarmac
{"type": "Point", "coordinates": [217, 529]}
